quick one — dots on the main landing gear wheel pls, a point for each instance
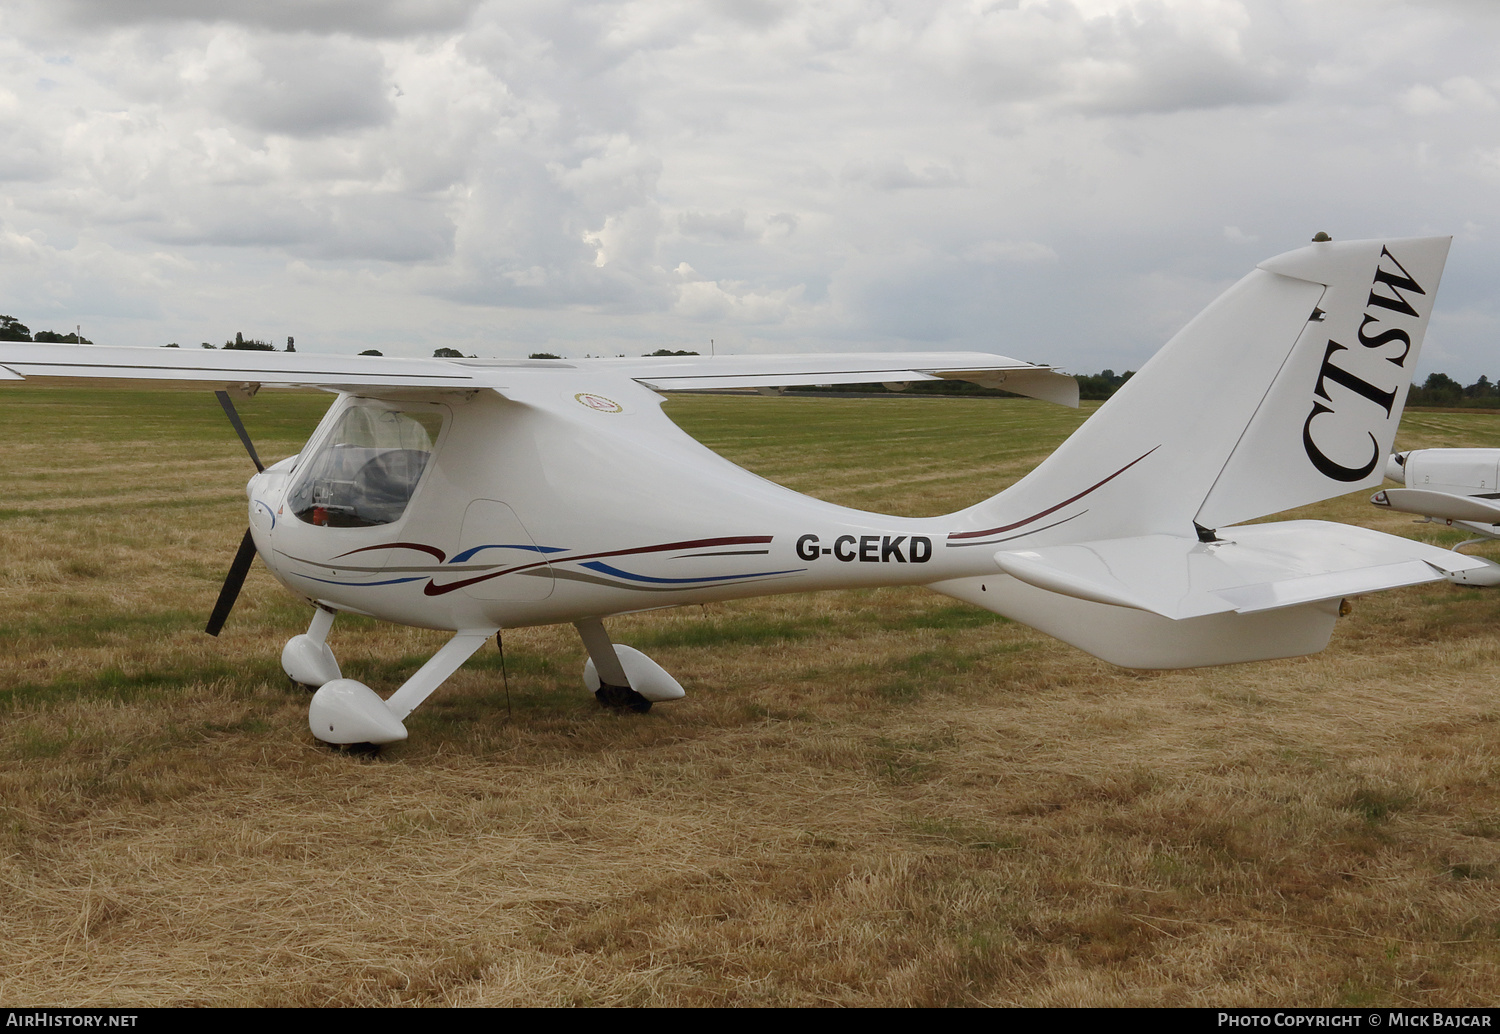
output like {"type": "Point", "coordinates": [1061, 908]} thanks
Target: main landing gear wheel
{"type": "Point", "coordinates": [621, 698]}
{"type": "Point", "coordinates": [620, 677]}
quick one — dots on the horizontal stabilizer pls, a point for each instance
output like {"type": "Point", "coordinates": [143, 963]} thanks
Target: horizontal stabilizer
{"type": "Point", "coordinates": [1250, 569]}
{"type": "Point", "coordinates": [1443, 505]}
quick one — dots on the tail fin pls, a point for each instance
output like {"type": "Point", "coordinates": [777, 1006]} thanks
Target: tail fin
{"type": "Point", "coordinates": [1286, 390]}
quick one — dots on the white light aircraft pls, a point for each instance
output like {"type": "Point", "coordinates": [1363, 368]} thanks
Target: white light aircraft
{"type": "Point", "coordinates": [478, 495]}
{"type": "Point", "coordinates": [1452, 486]}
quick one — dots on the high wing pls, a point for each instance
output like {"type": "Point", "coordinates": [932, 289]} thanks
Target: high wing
{"type": "Point", "coordinates": [233, 368]}
{"type": "Point", "coordinates": [230, 368]}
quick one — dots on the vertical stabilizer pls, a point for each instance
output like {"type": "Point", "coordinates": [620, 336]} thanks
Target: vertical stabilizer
{"type": "Point", "coordinates": [1276, 395]}
{"type": "Point", "coordinates": [1329, 420]}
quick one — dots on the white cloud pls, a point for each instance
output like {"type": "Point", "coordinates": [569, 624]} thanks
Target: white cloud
{"type": "Point", "coordinates": [897, 174]}
{"type": "Point", "coordinates": [1108, 57]}
{"type": "Point", "coordinates": [361, 17]}
{"type": "Point", "coordinates": [1462, 93]}
{"type": "Point", "coordinates": [729, 226]}
{"type": "Point", "coordinates": [297, 85]}
{"type": "Point", "coordinates": [715, 301]}
{"type": "Point", "coordinates": [1062, 179]}
{"type": "Point", "coordinates": [1020, 252]}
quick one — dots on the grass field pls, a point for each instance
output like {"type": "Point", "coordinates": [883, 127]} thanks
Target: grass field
{"type": "Point", "coordinates": [867, 798]}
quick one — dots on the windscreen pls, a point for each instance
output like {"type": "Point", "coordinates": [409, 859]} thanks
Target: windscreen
{"type": "Point", "coordinates": [365, 472]}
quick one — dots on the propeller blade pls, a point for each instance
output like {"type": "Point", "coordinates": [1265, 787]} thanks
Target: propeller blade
{"type": "Point", "coordinates": [233, 582]}
{"type": "Point", "coordinates": [234, 418]}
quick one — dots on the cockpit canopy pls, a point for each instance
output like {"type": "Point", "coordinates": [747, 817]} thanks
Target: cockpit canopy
{"type": "Point", "coordinates": [365, 471]}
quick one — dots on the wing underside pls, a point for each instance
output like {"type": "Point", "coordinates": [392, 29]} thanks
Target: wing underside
{"type": "Point", "coordinates": [707, 373]}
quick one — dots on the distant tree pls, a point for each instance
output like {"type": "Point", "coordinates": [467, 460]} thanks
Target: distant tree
{"type": "Point", "coordinates": [543, 355]}
{"type": "Point", "coordinates": [1480, 389]}
{"type": "Point", "coordinates": [207, 345]}
{"type": "Point", "coordinates": [291, 343]}
{"type": "Point", "coordinates": [368, 351]}
{"type": "Point", "coordinates": [244, 344]}
{"type": "Point", "coordinates": [1101, 385]}
{"type": "Point", "coordinates": [53, 337]}
{"type": "Point", "coordinates": [12, 329]}
{"type": "Point", "coordinates": [447, 353]}
{"type": "Point", "coordinates": [1438, 390]}
{"type": "Point", "coordinates": [172, 345]}
{"type": "Point", "coordinates": [668, 351]}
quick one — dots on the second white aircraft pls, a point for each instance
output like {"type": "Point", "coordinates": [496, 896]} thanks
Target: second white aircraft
{"type": "Point", "coordinates": [1454, 487]}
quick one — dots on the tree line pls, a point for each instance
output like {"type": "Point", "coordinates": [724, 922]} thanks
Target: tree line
{"type": "Point", "coordinates": [245, 344]}
{"type": "Point", "coordinates": [12, 329]}
{"type": "Point", "coordinates": [1443, 391]}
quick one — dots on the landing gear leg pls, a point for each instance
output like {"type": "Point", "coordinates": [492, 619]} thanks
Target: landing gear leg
{"type": "Point", "coordinates": [614, 687]}
{"type": "Point", "coordinates": [345, 711]}
{"type": "Point", "coordinates": [306, 658]}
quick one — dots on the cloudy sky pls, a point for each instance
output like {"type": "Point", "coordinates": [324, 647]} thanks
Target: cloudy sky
{"type": "Point", "coordinates": [1064, 181]}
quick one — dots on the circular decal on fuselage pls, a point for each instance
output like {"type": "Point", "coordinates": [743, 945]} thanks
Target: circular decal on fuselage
{"type": "Point", "coordinates": [599, 403]}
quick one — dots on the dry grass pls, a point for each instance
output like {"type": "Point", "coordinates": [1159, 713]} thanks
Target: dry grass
{"type": "Point", "coordinates": [874, 798]}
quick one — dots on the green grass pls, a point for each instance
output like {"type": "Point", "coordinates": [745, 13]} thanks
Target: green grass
{"type": "Point", "coordinates": [878, 797]}
{"type": "Point", "coordinates": [182, 422]}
